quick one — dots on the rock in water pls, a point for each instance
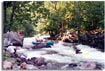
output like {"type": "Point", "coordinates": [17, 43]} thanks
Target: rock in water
{"type": "Point", "coordinates": [69, 66]}
{"type": "Point", "coordinates": [23, 65]}
{"type": "Point", "coordinates": [7, 65]}
{"type": "Point", "coordinates": [42, 67]}
{"type": "Point", "coordinates": [51, 52]}
{"type": "Point", "coordinates": [39, 61]}
{"type": "Point", "coordinates": [88, 66]}
{"type": "Point", "coordinates": [49, 66]}
{"type": "Point", "coordinates": [29, 61]}
{"type": "Point", "coordinates": [72, 65]}
{"type": "Point", "coordinates": [23, 60]}
{"type": "Point", "coordinates": [33, 58]}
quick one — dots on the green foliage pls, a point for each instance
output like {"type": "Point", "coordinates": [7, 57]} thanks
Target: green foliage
{"type": "Point", "coordinates": [91, 14]}
{"type": "Point", "coordinates": [26, 16]}
{"type": "Point", "coordinates": [38, 16]}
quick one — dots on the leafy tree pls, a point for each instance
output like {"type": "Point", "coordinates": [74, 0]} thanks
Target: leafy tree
{"type": "Point", "coordinates": [91, 14]}
{"type": "Point", "coordinates": [55, 16]}
{"type": "Point", "coordinates": [23, 15]}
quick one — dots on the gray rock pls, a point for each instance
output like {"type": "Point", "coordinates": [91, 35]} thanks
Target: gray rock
{"type": "Point", "coordinates": [88, 66]}
{"type": "Point", "coordinates": [49, 65]}
{"type": "Point", "coordinates": [72, 66]}
{"type": "Point", "coordinates": [5, 42]}
{"type": "Point", "coordinates": [51, 52]}
{"type": "Point", "coordinates": [42, 67]}
{"type": "Point", "coordinates": [23, 65]}
{"type": "Point", "coordinates": [54, 65]}
{"type": "Point", "coordinates": [28, 61]}
{"type": "Point", "coordinates": [39, 61]}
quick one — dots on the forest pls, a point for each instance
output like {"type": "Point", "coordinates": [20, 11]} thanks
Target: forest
{"type": "Point", "coordinates": [44, 16]}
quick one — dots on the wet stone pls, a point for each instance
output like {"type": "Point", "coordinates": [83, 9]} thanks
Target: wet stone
{"type": "Point", "coordinates": [49, 65]}
{"type": "Point", "coordinates": [88, 66]}
{"type": "Point", "coordinates": [29, 61]}
{"type": "Point", "coordinates": [72, 65]}
{"type": "Point", "coordinates": [39, 61]}
{"type": "Point", "coordinates": [33, 59]}
{"type": "Point", "coordinates": [23, 65]}
{"type": "Point", "coordinates": [54, 65]}
{"type": "Point", "coordinates": [23, 59]}
{"type": "Point", "coordinates": [20, 60]}
{"type": "Point", "coordinates": [51, 52]}
{"type": "Point", "coordinates": [42, 67]}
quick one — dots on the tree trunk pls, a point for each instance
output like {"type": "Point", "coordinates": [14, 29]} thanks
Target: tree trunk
{"type": "Point", "coordinates": [78, 19]}
{"type": "Point", "coordinates": [12, 14]}
{"type": "Point", "coordinates": [4, 14]}
{"type": "Point", "coordinates": [62, 28]}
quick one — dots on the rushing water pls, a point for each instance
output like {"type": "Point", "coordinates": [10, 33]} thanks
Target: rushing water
{"type": "Point", "coordinates": [62, 54]}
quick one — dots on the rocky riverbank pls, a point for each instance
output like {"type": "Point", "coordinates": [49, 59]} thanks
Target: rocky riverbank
{"type": "Point", "coordinates": [58, 57]}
